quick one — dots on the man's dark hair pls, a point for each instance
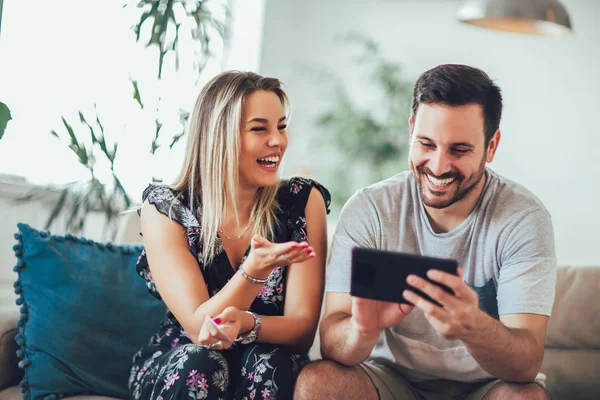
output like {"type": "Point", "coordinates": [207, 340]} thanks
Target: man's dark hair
{"type": "Point", "coordinates": [458, 85]}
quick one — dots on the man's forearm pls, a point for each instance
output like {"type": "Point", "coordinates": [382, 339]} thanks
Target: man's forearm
{"type": "Point", "coordinates": [510, 354]}
{"type": "Point", "coordinates": [342, 341]}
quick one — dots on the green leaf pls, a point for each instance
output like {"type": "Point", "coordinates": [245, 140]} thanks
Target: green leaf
{"type": "Point", "coordinates": [119, 185]}
{"type": "Point", "coordinates": [138, 28]}
{"type": "Point", "coordinates": [4, 118]}
{"type": "Point", "coordinates": [184, 116]}
{"type": "Point", "coordinates": [114, 152]}
{"type": "Point", "coordinates": [99, 191]}
{"type": "Point", "coordinates": [155, 144]}
{"type": "Point", "coordinates": [58, 208]}
{"type": "Point", "coordinates": [78, 149]}
{"type": "Point", "coordinates": [136, 93]}
{"type": "Point", "coordinates": [77, 220]}
{"type": "Point", "coordinates": [98, 121]}
{"type": "Point", "coordinates": [192, 15]}
{"type": "Point", "coordinates": [92, 134]}
{"type": "Point", "coordinates": [102, 142]}
{"type": "Point", "coordinates": [176, 138]}
{"type": "Point", "coordinates": [71, 132]}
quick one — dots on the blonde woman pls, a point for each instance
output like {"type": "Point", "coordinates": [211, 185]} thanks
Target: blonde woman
{"type": "Point", "coordinates": [236, 254]}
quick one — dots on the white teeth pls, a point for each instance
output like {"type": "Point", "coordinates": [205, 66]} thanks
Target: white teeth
{"type": "Point", "coordinates": [270, 159]}
{"type": "Point", "coordinates": [440, 182]}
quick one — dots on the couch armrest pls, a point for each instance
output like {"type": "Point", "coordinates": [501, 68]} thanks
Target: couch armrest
{"type": "Point", "coordinates": [574, 323]}
{"type": "Point", "coordinates": [10, 373]}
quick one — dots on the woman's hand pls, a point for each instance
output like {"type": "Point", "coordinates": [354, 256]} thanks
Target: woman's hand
{"type": "Point", "coordinates": [219, 332]}
{"type": "Point", "coordinates": [265, 255]}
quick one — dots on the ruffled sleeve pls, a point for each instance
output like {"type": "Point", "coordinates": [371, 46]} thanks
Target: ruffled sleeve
{"type": "Point", "coordinates": [175, 206]}
{"type": "Point", "coordinates": [293, 197]}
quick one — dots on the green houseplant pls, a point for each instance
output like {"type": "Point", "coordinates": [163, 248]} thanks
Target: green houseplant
{"type": "Point", "coordinates": [4, 118]}
{"type": "Point", "coordinates": [160, 24]}
{"type": "Point", "coordinates": [371, 141]}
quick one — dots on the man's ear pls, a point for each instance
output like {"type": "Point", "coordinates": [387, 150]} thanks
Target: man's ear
{"type": "Point", "coordinates": [493, 146]}
{"type": "Point", "coordinates": [411, 125]}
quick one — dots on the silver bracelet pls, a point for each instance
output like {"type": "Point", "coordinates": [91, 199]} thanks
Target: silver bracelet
{"type": "Point", "coordinates": [250, 278]}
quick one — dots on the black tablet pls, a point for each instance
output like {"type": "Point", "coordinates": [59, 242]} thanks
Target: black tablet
{"type": "Point", "coordinates": [381, 275]}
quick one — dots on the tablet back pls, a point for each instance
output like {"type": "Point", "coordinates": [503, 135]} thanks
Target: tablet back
{"type": "Point", "coordinates": [381, 275]}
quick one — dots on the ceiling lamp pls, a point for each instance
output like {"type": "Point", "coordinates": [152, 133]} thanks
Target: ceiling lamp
{"type": "Point", "coordinates": [534, 17]}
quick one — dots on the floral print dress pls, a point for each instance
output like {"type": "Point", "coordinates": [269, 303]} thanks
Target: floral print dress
{"type": "Point", "coordinates": [172, 367]}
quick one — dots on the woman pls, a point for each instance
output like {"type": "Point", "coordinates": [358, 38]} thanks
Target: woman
{"type": "Point", "coordinates": [237, 255]}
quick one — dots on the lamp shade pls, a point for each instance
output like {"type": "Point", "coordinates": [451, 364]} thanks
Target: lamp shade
{"type": "Point", "coordinates": [535, 17]}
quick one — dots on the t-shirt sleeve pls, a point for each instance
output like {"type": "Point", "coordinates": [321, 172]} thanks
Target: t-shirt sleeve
{"type": "Point", "coordinates": [358, 226]}
{"type": "Point", "coordinates": [527, 276]}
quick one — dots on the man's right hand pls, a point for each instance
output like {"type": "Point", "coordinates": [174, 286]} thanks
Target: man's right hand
{"type": "Point", "coordinates": [351, 326]}
{"type": "Point", "coordinates": [372, 316]}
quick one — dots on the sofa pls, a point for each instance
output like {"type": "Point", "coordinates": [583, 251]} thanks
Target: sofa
{"type": "Point", "coordinates": [571, 362]}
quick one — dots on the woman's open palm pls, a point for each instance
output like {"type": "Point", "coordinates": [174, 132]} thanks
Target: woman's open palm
{"type": "Point", "coordinates": [267, 255]}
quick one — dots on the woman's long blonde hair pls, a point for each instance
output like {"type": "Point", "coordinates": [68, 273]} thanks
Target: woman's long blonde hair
{"type": "Point", "coordinates": [211, 165]}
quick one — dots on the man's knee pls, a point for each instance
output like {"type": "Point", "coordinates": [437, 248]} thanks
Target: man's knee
{"type": "Point", "coordinates": [318, 379]}
{"type": "Point", "coordinates": [517, 391]}
{"type": "Point", "coordinates": [312, 378]}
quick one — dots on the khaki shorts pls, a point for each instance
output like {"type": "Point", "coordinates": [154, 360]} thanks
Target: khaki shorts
{"type": "Point", "coordinates": [391, 385]}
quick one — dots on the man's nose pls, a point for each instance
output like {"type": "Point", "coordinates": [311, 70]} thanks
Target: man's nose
{"type": "Point", "coordinates": [439, 164]}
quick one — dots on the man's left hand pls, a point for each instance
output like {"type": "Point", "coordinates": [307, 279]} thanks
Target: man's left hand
{"type": "Point", "coordinates": [458, 316]}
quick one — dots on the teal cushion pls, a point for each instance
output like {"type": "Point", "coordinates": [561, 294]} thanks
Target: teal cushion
{"type": "Point", "coordinates": [84, 313]}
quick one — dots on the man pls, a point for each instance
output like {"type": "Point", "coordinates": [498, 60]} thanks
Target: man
{"type": "Point", "coordinates": [487, 340]}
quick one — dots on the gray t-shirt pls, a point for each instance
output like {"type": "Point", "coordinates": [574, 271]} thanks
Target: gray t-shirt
{"type": "Point", "coordinates": [505, 248]}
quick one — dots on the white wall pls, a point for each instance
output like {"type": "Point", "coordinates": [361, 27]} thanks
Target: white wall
{"type": "Point", "coordinates": [243, 49]}
{"type": "Point", "coordinates": [551, 90]}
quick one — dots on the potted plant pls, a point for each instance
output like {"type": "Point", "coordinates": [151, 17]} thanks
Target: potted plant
{"type": "Point", "coordinates": [371, 142]}
{"type": "Point", "coordinates": [158, 28]}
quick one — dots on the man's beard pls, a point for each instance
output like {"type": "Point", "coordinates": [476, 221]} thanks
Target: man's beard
{"type": "Point", "coordinates": [462, 190]}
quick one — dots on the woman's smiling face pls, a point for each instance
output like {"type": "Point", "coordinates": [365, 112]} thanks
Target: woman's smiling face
{"type": "Point", "coordinates": [264, 139]}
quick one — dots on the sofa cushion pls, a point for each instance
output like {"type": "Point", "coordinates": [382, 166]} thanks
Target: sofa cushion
{"type": "Point", "coordinates": [572, 374]}
{"type": "Point", "coordinates": [574, 322]}
{"type": "Point", "coordinates": [9, 373]}
{"type": "Point", "coordinates": [14, 393]}
{"type": "Point", "coordinates": [84, 313]}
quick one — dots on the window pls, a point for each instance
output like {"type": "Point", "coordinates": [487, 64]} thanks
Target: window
{"type": "Point", "coordinates": [59, 57]}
